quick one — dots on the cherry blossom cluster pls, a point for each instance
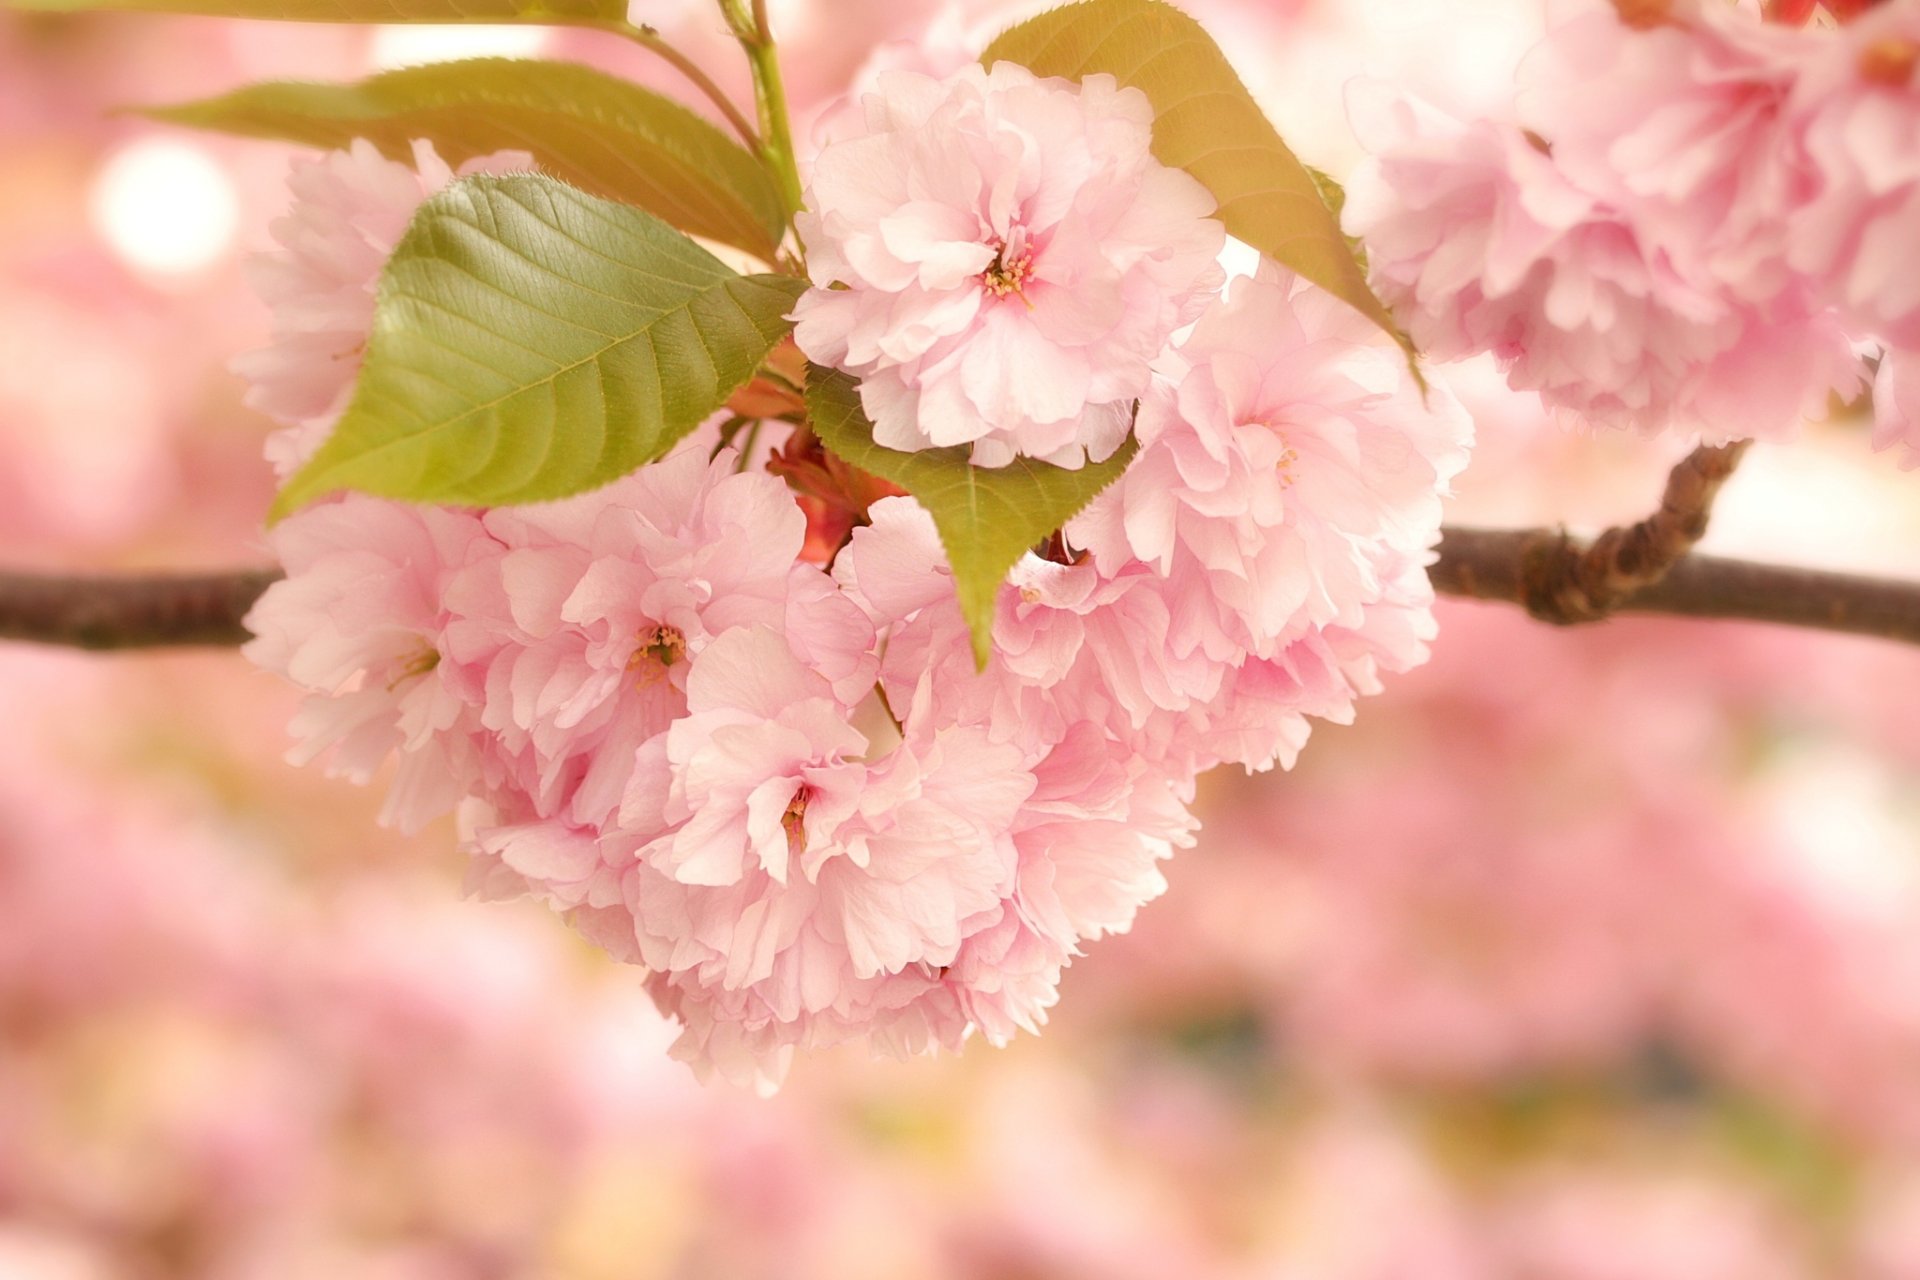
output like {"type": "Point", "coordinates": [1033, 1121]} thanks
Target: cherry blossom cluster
{"type": "Point", "coordinates": [1694, 220]}
{"type": "Point", "coordinates": [759, 761]}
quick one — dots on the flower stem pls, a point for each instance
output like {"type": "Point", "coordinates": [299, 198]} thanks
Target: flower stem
{"type": "Point", "coordinates": [776, 132]}
{"type": "Point", "coordinates": [655, 43]}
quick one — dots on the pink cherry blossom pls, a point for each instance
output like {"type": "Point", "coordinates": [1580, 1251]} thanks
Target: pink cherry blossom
{"type": "Point", "coordinates": [1482, 242]}
{"type": "Point", "coordinates": [578, 636]}
{"type": "Point", "coordinates": [1896, 405]}
{"type": "Point", "coordinates": [359, 622]}
{"type": "Point", "coordinates": [810, 875]}
{"type": "Point", "coordinates": [1683, 123]}
{"type": "Point", "coordinates": [999, 258]}
{"type": "Point", "coordinates": [1860, 105]}
{"type": "Point", "coordinates": [1288, 448]}
{"type": "Point", "coordinates": [349, 210]}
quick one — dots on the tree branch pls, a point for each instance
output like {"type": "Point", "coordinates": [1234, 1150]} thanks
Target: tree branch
{"type": "Point", "coordinates": [1477, 564]}
{"type": "Point", "coordinates": [1648, 568]}
{"type": "Point", "coordinates": [1506, 565]}
{"type": "Point", "coordinates": [145, 612]}
{"type": "Point", "coordinates": [1567, 582]}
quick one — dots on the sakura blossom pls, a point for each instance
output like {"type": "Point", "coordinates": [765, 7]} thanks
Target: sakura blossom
{"type": "Point", "coordinates": [1285, 449]}
{"type": "Point", "coordinates": [1683, 124]}
{"type": "Point", "coordinates": [812, 880]}
{"type": "Point", "coordinates": [358, 622]}
{"type": "Point", "coordinates": [1858, 108]}
{"type": "Point", "coordinates": [1572, 953]}
{"type": "Point", "coordinates": [1484, 243]}
{"type": "Point", "coordinates": [1896, 405]}
{"type": "Point", "coordinates": [1627, 255]}
{"type": "Point", "coordinates": [724, 714]}
{"type": "Point", "coordinates": [999, 259]}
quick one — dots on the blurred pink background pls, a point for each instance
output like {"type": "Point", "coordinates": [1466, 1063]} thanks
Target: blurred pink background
{"type": "Point", "coordinates": [1585, 955]}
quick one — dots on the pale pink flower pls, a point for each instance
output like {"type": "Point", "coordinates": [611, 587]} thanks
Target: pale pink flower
{"type": "Point", "coordinates": [1685, 124]}
{"type": "Point", "coordinates": [999, 258]}
{"type": "Point", "coordinates": [1482, 242]}
{"type": "Point", "coordinates": [803, 863]}
{"type": "Point", "coordinates": [580, 633]}
{"type": "Point", "coordinates": [1860, 112]}
{"type": "Point", "coordinates": [359, 622]}
{"type": "Point", "coordinates": [1288, 449]}
{"type": "Point", "coordinates": [1896, 404]}
{"type": "Point", "coordinates": [350, 209]}
{"type": "Point", "coordinates": [1069, 643]}
{"type": "Point", "coordinates": [1077, 686]}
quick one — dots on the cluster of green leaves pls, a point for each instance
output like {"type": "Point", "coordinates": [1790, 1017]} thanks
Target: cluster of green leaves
{"type": "Point", "coordinates": [541, 334]}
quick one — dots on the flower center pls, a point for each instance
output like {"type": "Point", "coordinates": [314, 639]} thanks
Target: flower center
{"type": "Point", "coordinates": [1011, 268]}
{"type": "Point", "coordinates": [418, 665]}
{"type": "Point", "coordinates": [1644, 15]}
{"type": "Point", "coordinates": [659, 648]}
{"type": "Point", "coordinates": [1890, 62]}
{"type": "Point", "coordinates": [793, 821]}
{"type": "Point", "coordinates": [1289, 455]}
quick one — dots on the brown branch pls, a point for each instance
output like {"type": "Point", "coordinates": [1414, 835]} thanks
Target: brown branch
{"type": "Point", "coordinates": [154, 611]}
{"type": "Point", "coordinates": [1648, 568]}
{"type": "Point", "coordinates": [1504, 565]}
{"type": "Point", "coordinates": [1567, 581]}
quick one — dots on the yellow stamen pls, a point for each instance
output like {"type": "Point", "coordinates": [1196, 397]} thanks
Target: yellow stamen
{"type": "Point", "coordinates": [793, 822]}
{"type": "Point", "coordinates": [658, 650]}
{"type": "Point", "coordinates": [1890, 62]}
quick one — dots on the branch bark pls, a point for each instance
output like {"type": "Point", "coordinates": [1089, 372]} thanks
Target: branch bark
{"type": "Point", "coordinates": [1505, 565]}
{"type": "Point", "coordinates": [1567, 581]}
{"type": "Point", "coordinates": [141, 612]}
{"type": "Point", "coordinates": [1508, 565]}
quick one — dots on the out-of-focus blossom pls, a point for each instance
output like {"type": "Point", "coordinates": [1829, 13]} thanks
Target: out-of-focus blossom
{"type": "Point", "coordinates": [999, 259]}
{"type": "Point", "coordinates": [1859, 107]}
{"type": "Point", "coordinates": [1683, 126]}
{"type": "Point", "coordinates": [1896, 404]}
{"type": "Point", "coordinates": [1568, 1225]}
{"type": "Point", "coordinates": [1631, 246]}
{"type": "Point", "coordinates": [1482, 242]}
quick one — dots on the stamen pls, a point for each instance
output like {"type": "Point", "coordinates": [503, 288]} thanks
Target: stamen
{"type": "Point", "coordinates": [793, 821]}
{"type": "Point", "coordinates": [658, 650]}
{"type": "Point", "coordinates": [1890, 62]}
{"type": "Point", "coordinates": [1008, 272]}
{"type": "Point", "coordinates": [418, 665]}
{"type": "Point", "coordinates": [1644, 15]}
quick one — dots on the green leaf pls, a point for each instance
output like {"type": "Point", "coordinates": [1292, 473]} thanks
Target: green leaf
{"type": "Point", "coordinates": [987, 516]}
{"type": "Point", "coordinates": [588, 12]}
{"type": "Point", "coordinates": [1206, 123]}
{"type": "Point", "coordinates": [531, 341]}
{"type": "Point", "coordinates": [603, 134]}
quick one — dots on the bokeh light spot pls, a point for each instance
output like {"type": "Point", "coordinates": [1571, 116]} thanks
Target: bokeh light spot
{"type": "Point", "coordinates": [411, 46]}
{"type": "Point", "coordinates": [164, 206]}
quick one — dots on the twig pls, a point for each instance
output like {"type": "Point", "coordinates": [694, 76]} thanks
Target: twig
{"type": "Point", "coordinates": [147, 612]}
{"type": "Point", "coordinates": [1504, 564]}
{"type": "Point", "coordinates": [1478, 564]}
{"type": "Point", "coordinates": [1648, 568]}
{"type": "Point", "coordinates": [652, 40]}
{"type": "Point", "coordinates": [1640, 568]}
{"type": "Point", "coordinates": [1568, 582]}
